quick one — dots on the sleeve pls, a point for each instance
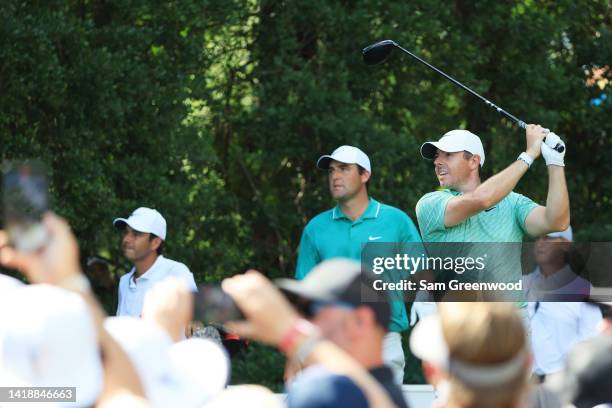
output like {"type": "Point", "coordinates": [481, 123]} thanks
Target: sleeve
{"type": "Point", "coordinates": [522, 207]}
{"type": "Point", "coordinates": [430, 211]}
{"type": "Point", "coordinates": [187, 276]}
{"type": "Point", "coordinates": [308, 255]}
{"type": "Point", "coordinates": [590, 317]}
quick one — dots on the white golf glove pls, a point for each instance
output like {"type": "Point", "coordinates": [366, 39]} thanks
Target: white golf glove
{"type": "Point", "coordinates": [551, 156]}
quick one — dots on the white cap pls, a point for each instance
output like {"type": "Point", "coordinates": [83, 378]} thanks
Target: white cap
{"type": "Point", "coordinates": [48, 339]}
{"type": "Point", "coordinates": [148, 348]}
{"type": "Point", "coordinates": [427, 343]}
{"type": "Point", "coordinates": [144, 219]}
{"type": "Point", "coordinates": [455, 141]}
{"type": "Point", "coordinates": [565, 234]}
{"type": "Point", "coordinates": [346, 154]}
{"type": "Point", "coordinates": [205, 365]}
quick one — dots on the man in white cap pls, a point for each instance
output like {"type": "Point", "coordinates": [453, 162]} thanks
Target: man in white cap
{"type": "Point", "coordinates": [144, 233]}
{"type": "Point", "coordinates": [466, 209]}
{"type": "Point", "coordinates": [356, 220]}
{"type": "Point", "coordinates": [558, 321]}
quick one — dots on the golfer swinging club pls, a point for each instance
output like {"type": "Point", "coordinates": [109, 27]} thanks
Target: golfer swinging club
{"type": "Point", "coordinates": [468, 210]}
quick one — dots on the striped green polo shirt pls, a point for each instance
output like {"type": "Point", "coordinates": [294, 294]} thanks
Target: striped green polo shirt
{"type": "Point", "coordinates": [504, 222]}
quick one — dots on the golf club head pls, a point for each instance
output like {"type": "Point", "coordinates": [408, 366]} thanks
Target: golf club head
{"type": "Point", "coordinates": [378, 52]}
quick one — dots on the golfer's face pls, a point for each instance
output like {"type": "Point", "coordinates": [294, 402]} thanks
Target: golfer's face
{"type": "Point", "coordinates": [451, 168]}
{"type": "Point", "coordinates": [136, 245]}
{"type": "Point", "coordinates": [344, 180]}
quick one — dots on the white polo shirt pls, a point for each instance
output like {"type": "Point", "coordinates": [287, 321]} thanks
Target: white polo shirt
{"type": "Point", "coordinates": [557, 326]}
{"type": "Point", "coordinates": [132, 293]}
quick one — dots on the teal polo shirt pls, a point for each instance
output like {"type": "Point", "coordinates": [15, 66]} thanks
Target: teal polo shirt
{"type": "Point", "coordinates": [332, 234]}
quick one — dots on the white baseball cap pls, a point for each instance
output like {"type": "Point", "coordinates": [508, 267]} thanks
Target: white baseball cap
{"type": "Point", "coordinates": [346, 154]}
{"type": "Point", "coordinates": [144, 219]}
{"type": "Point", "coordinates": [565, 234]}
{"type": "Point", "coordinates": [204, 365]}
{"type": "Point", "coordinates": [147, 346]}
{"type": "Point", "coordinates": [457, 140]}
{"type": "Point", "coordinates": [184, 374]}
{"type": "Point", "coordinates": [48, 339]}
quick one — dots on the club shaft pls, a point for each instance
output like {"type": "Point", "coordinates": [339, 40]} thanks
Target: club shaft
{"type": "Point", "coordinates": [510, 116]}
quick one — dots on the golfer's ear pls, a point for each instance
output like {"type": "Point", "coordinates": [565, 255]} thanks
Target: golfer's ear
{"type": "Point", "coordinates": [365, 176]}
{"type": "Point", "coordinates": [156, 243]}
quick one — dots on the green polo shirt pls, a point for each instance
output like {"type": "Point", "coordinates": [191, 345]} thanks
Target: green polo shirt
{"type": "Point", "coordinates": [332, 234]}
{"type": "Point", "coordinates": [504, 222]}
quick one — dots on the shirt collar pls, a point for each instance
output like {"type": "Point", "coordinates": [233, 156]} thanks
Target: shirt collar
{"type": "Point", "coordinates": [371, 212]}
{"type": "Point", "coordinates": [149, 274]}
{"type": "Point", "coordinates": [557, 280]}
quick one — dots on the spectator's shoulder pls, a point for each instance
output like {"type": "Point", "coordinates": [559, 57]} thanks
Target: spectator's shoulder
{"type": "Point", "coordinates": [125, 277]}
{"type": "Point", "coordinates": [175, 266]}
{"type": "Point", "coordinates": [318, 387]}
{"type": "Point", "coordinates": [528, 279]}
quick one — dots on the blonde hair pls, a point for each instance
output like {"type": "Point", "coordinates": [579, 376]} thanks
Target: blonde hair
{"type": "Point", "coordinates": [485, 334]}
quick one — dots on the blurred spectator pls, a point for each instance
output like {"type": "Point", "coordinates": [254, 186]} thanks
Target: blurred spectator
{"type": "Point", "coordinates": [554, 277]}
{"type": "Point", "coordinates": [556, 326]}
{"type": "Point", "coordinates": [475, 354]}
{"type": "Point", "coordinates": [103, 282]}
{"type": "Point", "coordinates": [8, 283]}
{"type": "Point", "coordinates": [144, 234]}
{"type": "Point", "coordinates": [47, 327]}
{"type": "Point", "coordinates": [48, 338]}
{"type": "Point", "coordinates": [349, 313]}
{"type": "Point", "coordinates": [605, 327]}
{"type": "Point", "coordinates": [256, 395]}
{"type": "Point", "coordinates": [587, 379]}
{"type": "Point", "coordinates": [185, 374]}
{"type": "Point", "coordinates": [209, 332]}
{"type": "Point", "coordinates": [297, 338]}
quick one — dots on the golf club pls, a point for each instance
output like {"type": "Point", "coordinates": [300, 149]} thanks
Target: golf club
{"type": "Point", "coordinates": [378, 52]}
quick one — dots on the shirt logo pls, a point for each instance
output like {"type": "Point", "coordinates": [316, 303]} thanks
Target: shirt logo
{"type": "Point", "coordinates": [371, 238]}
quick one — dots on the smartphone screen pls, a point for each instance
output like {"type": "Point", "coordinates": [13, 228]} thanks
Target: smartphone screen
{"type": "Point", "coordinates": [25, 202]}
{"type": "Point", "coordinates": [213, 305]}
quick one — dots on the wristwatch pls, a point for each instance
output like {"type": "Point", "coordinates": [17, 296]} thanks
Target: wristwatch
{"type": "Point", "coordinates": [526, 158]}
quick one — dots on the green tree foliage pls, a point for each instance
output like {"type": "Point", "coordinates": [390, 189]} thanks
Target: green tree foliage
{"type": "Point", "coordinates": [214, 112]}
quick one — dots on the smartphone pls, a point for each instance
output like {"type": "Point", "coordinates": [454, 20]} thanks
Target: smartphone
{"type": "Point", "coordinates": [26, 199]}
{"type": "Point", "coordinates": [213, 305]}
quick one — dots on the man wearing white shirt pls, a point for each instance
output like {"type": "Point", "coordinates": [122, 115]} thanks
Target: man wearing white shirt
{"type": "Point", "coordinates": [557, 326]}
{"type": "Point", "coordinates": [144, 233]}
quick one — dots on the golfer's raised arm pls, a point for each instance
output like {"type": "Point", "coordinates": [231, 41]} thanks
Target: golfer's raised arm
{"type": "Point", "coordinates": [556, 215]}
{"type": "Point", "coordinates": [494, 189]}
